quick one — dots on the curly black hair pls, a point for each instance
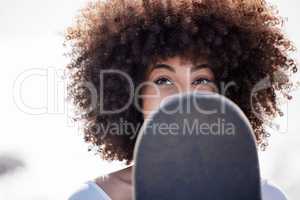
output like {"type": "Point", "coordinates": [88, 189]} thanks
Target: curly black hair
{"type": "Point", "coordinates": [243, 40]}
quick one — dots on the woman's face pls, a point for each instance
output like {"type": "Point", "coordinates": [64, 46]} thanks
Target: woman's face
{"type": "Point", "coordinates": [175, 75]}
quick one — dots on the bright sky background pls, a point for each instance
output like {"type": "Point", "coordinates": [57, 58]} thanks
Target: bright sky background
{"type": "Point", "coordinates": [56, 159]}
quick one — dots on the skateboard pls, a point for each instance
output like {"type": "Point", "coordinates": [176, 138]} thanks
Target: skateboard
{"type": "Point", "coordinates": [197, 145]}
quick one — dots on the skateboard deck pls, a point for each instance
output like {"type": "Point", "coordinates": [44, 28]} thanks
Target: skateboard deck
{"type": "Point", "coordinates": [197, 145]}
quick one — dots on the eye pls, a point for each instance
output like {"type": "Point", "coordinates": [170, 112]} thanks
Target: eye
{"type": "Point", "coordinates": [163, 81]}
{"type": "Point", "coordinates": [201, 81]}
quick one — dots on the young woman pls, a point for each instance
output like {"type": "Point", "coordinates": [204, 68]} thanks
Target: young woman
{"type": "Point", "coordinates": [129, 55]}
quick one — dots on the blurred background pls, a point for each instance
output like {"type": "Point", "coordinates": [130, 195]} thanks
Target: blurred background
{"type": "Point", "coordinates": [42, 153]}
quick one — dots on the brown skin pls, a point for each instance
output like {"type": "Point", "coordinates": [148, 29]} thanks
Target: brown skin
{"type": "Point", "coordinates": [165, 78]}
{"type": "Point", "coordinates": [175, 75]}
{"type": "Point", "coordinates": [117, 185]}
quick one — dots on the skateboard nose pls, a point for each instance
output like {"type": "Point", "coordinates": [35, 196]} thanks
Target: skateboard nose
{"type": "Point", "coordinates": [206, 161]}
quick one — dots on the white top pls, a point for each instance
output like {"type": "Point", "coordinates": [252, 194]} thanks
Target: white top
{"type": "Point", "coordinates": [91, 191]}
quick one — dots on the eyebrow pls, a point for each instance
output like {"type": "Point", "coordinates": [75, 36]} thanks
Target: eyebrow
{"type": "Point", "coordinates": [168, 67]}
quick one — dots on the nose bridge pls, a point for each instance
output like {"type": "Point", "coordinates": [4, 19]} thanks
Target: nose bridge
{"type": "Point", "coordinates": [184, 80]}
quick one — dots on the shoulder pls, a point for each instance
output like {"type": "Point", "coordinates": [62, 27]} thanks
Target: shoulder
{"type": "Point", "coordinates": [88, 190]}
{"type": "Point", "coordinates": [272, 192]}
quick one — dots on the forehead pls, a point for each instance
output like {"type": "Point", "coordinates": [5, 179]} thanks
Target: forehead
{"type": "Point", "coordinates": [176, 61]}
{"type": "Point", "coordinates": [179, 60]}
